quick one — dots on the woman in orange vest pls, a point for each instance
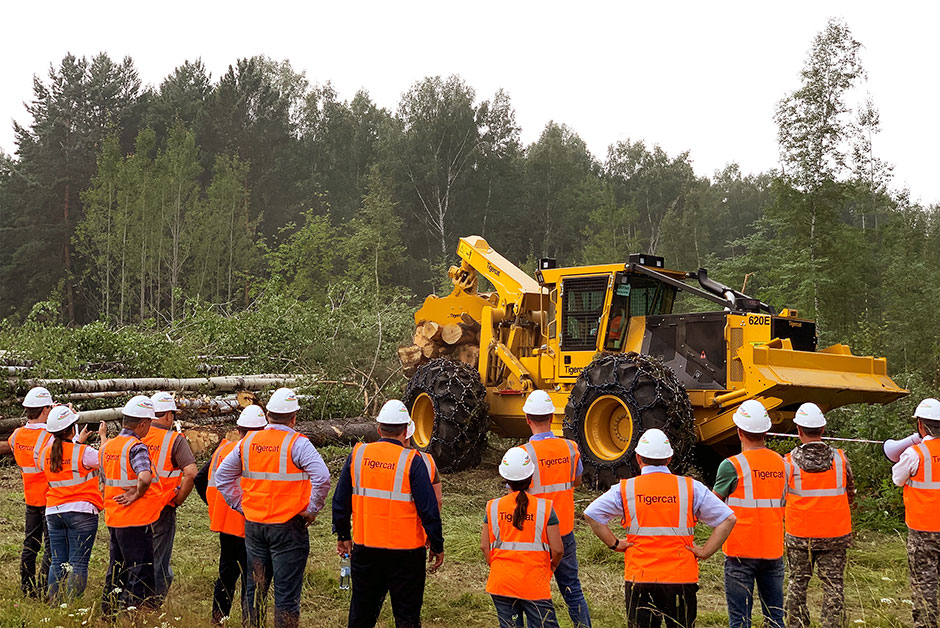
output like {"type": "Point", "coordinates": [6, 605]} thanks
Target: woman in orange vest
{"type": "Point", "coordinates": [73, 500]}
{"type": "Point", "coordinates": [521, 543]}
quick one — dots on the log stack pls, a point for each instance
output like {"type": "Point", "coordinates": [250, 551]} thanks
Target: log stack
{"type": "Point", "coordinates": [458, 341]}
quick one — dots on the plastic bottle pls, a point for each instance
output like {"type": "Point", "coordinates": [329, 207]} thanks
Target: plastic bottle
{"type": "Point", "coordinates": [344, 573]}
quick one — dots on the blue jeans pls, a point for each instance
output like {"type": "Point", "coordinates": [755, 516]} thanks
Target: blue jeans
{"type": "Point", "coordinates": [740, 576]}
{"type": "Point", "coordinates": [164, 533]}
{"type": "Point", "coordinates": [539, 613]}
{"type": "Point", "coordinates": [276, 551]}
{"type": "Point", "coordinates": [71, 536]}
{"type": "Point", "coordinates": [566, 576]}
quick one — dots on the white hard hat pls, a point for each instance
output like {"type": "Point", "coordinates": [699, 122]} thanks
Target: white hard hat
{"type": "Point", "coordinates": [60, 417]}
{"type": "Point", "coordinates": [410, 431]}
{"type": "Point", "coordinates": [163, 402]}
{"type": "Point", "coordinates": [37, 397]}
{"type": "Point", "coordinates": [751, 416]}
{"type": "Point", "coordinates": [516, 465]}
{"type": "Point", "coordinates": [809, 415]}
{"type": "Point", "coordinates": [654, 444]}
{"type": "Point", "coordinates": [394, 412]}
{"type": "Point", "coordinates": [283, 401]}
{"type": "Point", "coordinates": [139, 407]}
{"type": "Point", "coordinates": [928, 409]}
{"type": "Point", "coordinates": [252, 416]}
{"type": "Point", "coordinates": [538, 403]}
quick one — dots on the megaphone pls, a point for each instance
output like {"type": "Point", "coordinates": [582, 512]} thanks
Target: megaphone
{"type": "Point", "coordinates": [894, 448]}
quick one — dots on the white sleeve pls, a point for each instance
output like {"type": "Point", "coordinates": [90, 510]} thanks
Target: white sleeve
{"type": "Point", "coordinates": [905, 467]}
{"type": "Point", "coordinates": [90, 458]}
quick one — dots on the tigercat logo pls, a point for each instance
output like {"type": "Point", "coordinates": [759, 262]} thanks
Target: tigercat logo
{"type": "Point", "coordinates": [507, 516]}
{"type": "Point", "coordinates": [573, 370]}
{"type": "Point", "coordinates": [22, 447]}
{"type": "Point", "coordinates": [265, 448]}
{"type": "Point", "coordinates": [492, 269]}
{"type": "Point", "coordinates": [112, 457]}
{"type": "Point", "coordinates": [649, 500]}
{"type": "Point", "coordinates": [551, 462]}
{"type": "Point", "coordinates": [378, 464]}
{"type": "Point", "coordinates": [766, 475]}
{"type": "Point", "coordinates": [936, 458]}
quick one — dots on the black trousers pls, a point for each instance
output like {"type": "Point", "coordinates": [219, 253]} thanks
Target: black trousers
{"type": "Point", "coordinates": [130, 577]}
{"type": "Point", "coordinates": [37, 535]}
{"type": "Point", "coordinates": [649, 605]}
{"type": "Point", "coordinates": [375, 572]}
{"type": "Point", "coordinates": [233, 564]}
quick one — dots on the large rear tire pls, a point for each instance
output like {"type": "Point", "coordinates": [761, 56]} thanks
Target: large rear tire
{"type": "Point", "coordinates": [447, 402]}
{"type": "Point", "coordinates": [615, 399]}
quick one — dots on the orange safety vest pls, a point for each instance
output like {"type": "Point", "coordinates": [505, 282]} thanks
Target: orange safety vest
{"type": "Point", "coordinates": [75, 482]}
{"type": "Point", "coordinates": [26, 444]}
{"type": "Point", "coordinates": [160, 443]}
{"type": "Point", "coordinates": [817, 504]}
{"type": "Point", "coordinates": [221, 516]}
{"type": "Point", "coordinates": [520, 560]}
{"type": "Point", "coordinates": [556, 470]}
{"type": "Point", "coordinates": [118, 476]}
{"type": "Point", "coordinates": [922, 491]}
{"type": "Point", "coordinates": [431, 465]}
{"type": "Point", "coordinates": [758, 503]}
{"type": "Point", "coordinates": [274, 489]}
{"type": "Point", "coordinates": [384, 512]}
{"type": "Point", "coordinates": [657, 513]}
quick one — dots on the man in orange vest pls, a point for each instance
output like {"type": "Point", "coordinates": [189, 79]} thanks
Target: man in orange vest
{"type": "Point", "coordinates": [818, 520]}
{"type": "Point", "coordinates": [277, 479]}
{"type": "Point", "coordinates": [660, 511]}
{"type": "Point", "coordinates": [176, 467]}
{"type": "Point", "coordinates": [131, 506]}
{"type": "Point", "coordinates": [384, 497]}
{"type": "Point", "coordinates": [918, 471]}
{"type": "Point", "coordinates": [754, 485]}
{"type": "Point", "coordinates": [25, 443]}
{"type": "Point", "coordinates": [558, 471]}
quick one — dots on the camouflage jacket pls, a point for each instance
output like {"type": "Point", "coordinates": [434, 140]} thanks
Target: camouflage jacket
{"type": "Point", "coordinates": [817, 457]}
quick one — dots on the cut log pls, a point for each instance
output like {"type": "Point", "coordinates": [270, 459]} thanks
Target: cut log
{"type": "Point", "coordinates": [431, 330]}
{"type": "Point", "coordinates": [468, 354]}
{"type": "Point", "coordinates": [455, 334]}
{"type": "Point", "coordinates": [410, 355]}
{"type": "Point", "coordinates": [470, 322]}
{"type": "Point", "coordinates": [432, 351]}
{"type": "Point", "coordinates": [221, 384]}
{"type": "Point", "coordinates": [420, 340]}
{"type": "Point", "coordinates": [338, 432]}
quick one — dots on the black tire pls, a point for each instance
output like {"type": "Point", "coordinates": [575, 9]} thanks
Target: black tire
{"type": "Point", "coordinates": [460, 412]}
{"type": "Point", "coordinates": [654, 397]}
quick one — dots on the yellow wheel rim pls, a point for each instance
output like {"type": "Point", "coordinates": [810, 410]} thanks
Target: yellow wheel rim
{"type": "Point", "coordinates": [422, 413]}
{"type": "Point", "coordinates": [608, 427]}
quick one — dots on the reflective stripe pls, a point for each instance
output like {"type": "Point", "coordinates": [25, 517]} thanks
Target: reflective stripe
{"type": "Point", "coordinates": [517, 546]}
{"type": "Point", "coordinates": [77, 478]}
{"type": "Point", "coordinates": [537, 488]}
{"type": "Point", "coordinates": [281, 475]}
{"type": "Point", "coordinates": [123, 463]}
{"type": "Point", "coordinates": [40, 443]}
{"type": "Point", "coordinates": [927, 462]}
{"type": "Point", "coordinates": [396, 494]}
{"type": "Point", "coordinates": [748, 500]}
{"type": "Point", "coordinates": [797, 476]}
{"type": "Point", "coordinates": [637, 530]}
{"type": "Point", "coordinates": [161, 461]}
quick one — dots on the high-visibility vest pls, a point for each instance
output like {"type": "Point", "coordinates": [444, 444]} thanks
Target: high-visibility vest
{"type": "Point", "coordinates": [221, 516]}
{"type": "Point", "coordinates": [817, 504]}
{"type": "Point", "coordinates": [556, 469]}
{"type": "Point", "coordinates": [758, 504]}
{"type": "Point", "coordinates": [430, 464]}
{"type": "Point", "coordinates": [74, 482]}
{"type": "Point", "coordinates": [520, 560]}
{"type": "Point", "coordinates": [658, 516]}
{"type": "Point", "coordinates": [118, 476]}
{"type": "Point", "coordinates": [274, 489]}
{"type": "Point", "coordinates": [922, 491]}
{"type": "Point", "coordinates": [27, 443]}
{"type": "Point", "coordinates": [384, 512]}
{"type": "Point", "coordinates": [159, 443]}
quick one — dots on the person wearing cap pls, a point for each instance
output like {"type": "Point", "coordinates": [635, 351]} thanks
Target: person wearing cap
{"type": "Point", "coordinates": [130, 509]}
{"type": "Point", "coordinates": [521, 543]}
{"type": "Point", "coordinates": [818, 520]}
{"type": "Point", "coordinates": [558, 470]}
{"type": "Point", "coordinates": [276, 478]}
{"type": "Point", "coordinates": [233, 562]}
{"type": "Point", "coordinates": [25, 443]}
{"type": "Point", "coordinates": [433, 472]}
{"type": "Point", "coordinates": [659, 511]}
{"type": "Point", "coordinates": [176, 469]}
{"type": "Point", "coordinates": [918, 471]}
{"type": "Point", "coordinates": [384, 515]}
{"type": "Point", "coordinates": [73, 500]}
{"type": "Point", "coordinates": [754, 484]}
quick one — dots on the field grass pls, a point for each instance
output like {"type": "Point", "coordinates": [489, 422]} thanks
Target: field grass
{"type": "Point", "coordinates": [877, 591]}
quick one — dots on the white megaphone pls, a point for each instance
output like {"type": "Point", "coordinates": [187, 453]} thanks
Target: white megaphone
{"type": "Point", "coordinates": [894, 448]}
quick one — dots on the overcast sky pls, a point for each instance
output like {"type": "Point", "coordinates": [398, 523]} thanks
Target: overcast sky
{"type": "Point", "coordinates": [697, 76]}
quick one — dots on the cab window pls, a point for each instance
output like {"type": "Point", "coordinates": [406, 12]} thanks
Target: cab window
{"type": "Point", "coordinates": [639, 296]}
{"type": "Point", "coordinates": [582, 308]}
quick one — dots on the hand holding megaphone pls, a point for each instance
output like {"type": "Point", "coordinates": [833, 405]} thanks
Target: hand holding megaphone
{"type": "Point", "coordinates": [894, 448]}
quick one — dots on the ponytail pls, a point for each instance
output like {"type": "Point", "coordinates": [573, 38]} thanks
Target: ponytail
{"type": "Point", "coordinates": [522, 501]}
{"type": "Point", "coordinates": [55, 457]}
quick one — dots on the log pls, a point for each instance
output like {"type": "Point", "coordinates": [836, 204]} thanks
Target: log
{"type": "Point", "coordinates": [470, 322]}
{"type": "Point", "coordinates": [454, 334]}
{"type": "Point", "coordinates": [338, 432]}
{"type": "Point", "coordinates": [431, 330]}
{"type": "Point", "coordinates": [420, 340]}
{"type": "Point", "coordinates": [410, 355]}
{"type": "Point", "coordinates": [468, 354]}
{"type": "Point", "coordinates": [220, 384]}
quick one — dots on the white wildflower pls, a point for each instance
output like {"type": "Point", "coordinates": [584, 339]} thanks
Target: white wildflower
{"type": "Point", "coordinates": [63, 605]}
{"type": "Point", "coordinates": [886, 578]}
{"type": "Point", "coordinates": [907, 602]}
{"type": "Point", "coordinates": [887, 600]}
{"type": "Point", "coordinates": [132, 608]}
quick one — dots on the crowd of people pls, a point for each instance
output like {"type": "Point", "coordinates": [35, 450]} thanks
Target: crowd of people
{"type": "Point", "coordinates": [264, 489]}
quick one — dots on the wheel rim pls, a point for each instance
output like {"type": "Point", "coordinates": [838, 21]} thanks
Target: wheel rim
{"type": "Point", "coordinates": [422, 413]}
{"type": "Point", "coordinates": [608, 427]}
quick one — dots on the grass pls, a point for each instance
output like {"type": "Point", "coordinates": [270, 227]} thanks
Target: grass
{"type": "Point", "coordinates": [877, 591]}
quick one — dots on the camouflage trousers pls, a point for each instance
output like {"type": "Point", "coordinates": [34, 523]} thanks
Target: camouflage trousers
{"type": "Point", "coordinates": [923, 562]}
{"type": "Point", "coordinates": [830, 568]}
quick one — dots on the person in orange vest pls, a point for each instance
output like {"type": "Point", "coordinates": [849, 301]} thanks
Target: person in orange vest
{"type": "Point", "coordinates": [521, 543]}
{"type": "Point", "coordinates": [659, 511]}
{"type": "Point", "coordinates": [73, 500]}
{"type": "Point", "coordinates": [25, 443]}
{"type": "Point", "coordinates": [131, 506]}
{"type": "Point", "coordinates": [433, 471]}
{"type": "Point", "coordinates": [276, 478]}
{"type": "Point", "coordinates": [918, 471]}
{"type": "Point", "coordinates": [386, 521]}
{"type": "Point", "coordinates": [818, 520]}
{"type": "Point", "coordinates": [176, 467]}
{"type": "Point", "coordinates": [557, 473]}
{"type": "Point", "coordinates": [233, 562]}
{"type": "Point", "coordinates": [754, 485]}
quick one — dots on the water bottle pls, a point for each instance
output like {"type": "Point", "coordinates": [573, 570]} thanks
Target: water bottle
{"type": "Point", "coordinates": [344, 573]}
